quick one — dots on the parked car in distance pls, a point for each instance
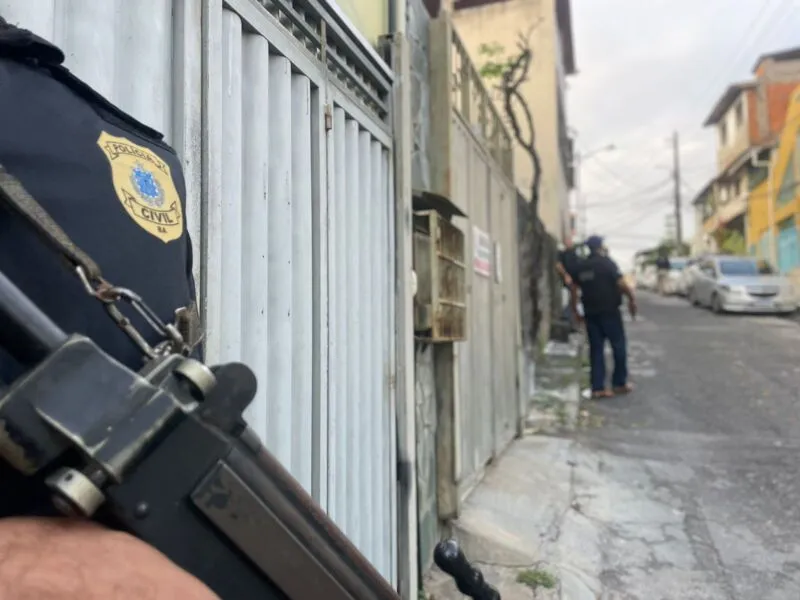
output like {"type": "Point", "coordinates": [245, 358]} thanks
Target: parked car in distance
{"type": "Point", "coordinates": [739, 284]}
{"type": "Point", "coordinates": [689, 275]}
{"type": "Point", "coordinates": [647, 278]}
{"type": "Point", "coordinates": [677, 264]}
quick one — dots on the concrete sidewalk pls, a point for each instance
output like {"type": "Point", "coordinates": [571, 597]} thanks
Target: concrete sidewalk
{"type": "Point", "coordinates": [524, 521]}
{"type": "Point", "coordinates": [521, 522]}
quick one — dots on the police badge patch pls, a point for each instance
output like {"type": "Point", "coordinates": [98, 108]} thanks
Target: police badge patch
{"type": "Point", "coordinates": [144, 186]}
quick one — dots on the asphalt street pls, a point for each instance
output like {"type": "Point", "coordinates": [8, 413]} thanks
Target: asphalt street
{"type": "Point", "coordinates": [695, 485]}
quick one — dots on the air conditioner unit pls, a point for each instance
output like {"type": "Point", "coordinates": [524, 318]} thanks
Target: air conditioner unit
{"type": "Point", "coordinates": [440, 310]}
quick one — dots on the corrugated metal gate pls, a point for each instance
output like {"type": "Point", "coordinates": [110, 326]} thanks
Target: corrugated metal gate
{"type": "Point", "coordinates": [472, 165]}
{"type": "Point", "coordinates": [487, 393]}
{"type": "Point", "coordinates": [280, 114]}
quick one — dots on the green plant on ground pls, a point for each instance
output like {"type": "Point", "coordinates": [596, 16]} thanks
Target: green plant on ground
{"type": "Point", "coordinates": [561, 414]}
{"type": "Point", "coordinates": [537, 578]}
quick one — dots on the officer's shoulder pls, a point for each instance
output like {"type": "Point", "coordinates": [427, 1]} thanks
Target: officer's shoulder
{"type": "Point", "coordinates": [606, 263]}
{"type": "Point", "coordinates": [21, 46]}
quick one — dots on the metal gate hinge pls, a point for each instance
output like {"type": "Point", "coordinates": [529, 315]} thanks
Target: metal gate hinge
{"type": "Point", "coordinates": [328, 117]}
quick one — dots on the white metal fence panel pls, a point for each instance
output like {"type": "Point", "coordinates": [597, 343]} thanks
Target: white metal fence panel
{"type": "Point", "coordinates": [360, 433]}
{"type": "Point", "coordinates": [487, 361]}
{"type": "Point", "coordinates": [296, 272]}
{"type": "Point", "coordinates": [504, 349]}
{"type": "Point", "coordinates": [261, 287]}
{"type": "Point", "coordinates": [475, 418]}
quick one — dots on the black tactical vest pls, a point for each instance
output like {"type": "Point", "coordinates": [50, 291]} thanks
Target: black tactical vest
{"type": "Point", "coordinates": [108, 180]}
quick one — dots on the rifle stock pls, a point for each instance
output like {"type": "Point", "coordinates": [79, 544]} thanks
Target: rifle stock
{"type": "Point", "coordinates": [165, 455]}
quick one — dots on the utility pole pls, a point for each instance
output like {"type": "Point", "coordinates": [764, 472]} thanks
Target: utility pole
{"type": "Point", "coordinates": [676, 175]}
{"type": "Point", "coordinates": [580, 205]}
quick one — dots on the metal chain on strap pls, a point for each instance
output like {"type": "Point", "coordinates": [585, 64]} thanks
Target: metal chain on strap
{"type": "Point", "coordinates": [17, 198]}
{"type": "Point", "coordinates": [110, 296]}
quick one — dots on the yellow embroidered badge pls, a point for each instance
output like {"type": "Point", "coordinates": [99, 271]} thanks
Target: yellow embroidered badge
{"type": "Point", "coordinates": [144, 186]}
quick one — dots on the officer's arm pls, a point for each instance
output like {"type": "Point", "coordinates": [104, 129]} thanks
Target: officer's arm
{"type": "Point", "coordinates": [66, 560]}
{"type": "Point", "coordinates": [573, 299]}
{"type": "Point", "coordinates": [626, 290]}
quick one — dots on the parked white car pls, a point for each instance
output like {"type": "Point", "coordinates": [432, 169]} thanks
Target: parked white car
{"type": "Point", "coordinates": [689, 275]}
{"type": "Point", "coordinates": [739, 284]}
{"type": "Point", "coordinates": [647, 278]}
{"type": "Point", "coordinates": [673, 285]}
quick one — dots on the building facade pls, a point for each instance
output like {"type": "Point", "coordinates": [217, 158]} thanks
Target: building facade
{"type": "Point", "coordinates": [748, 119]}
{"type": "Point", "coordinates": [548, 26]}
{"type": "Point", "coordinates": [773, 210]}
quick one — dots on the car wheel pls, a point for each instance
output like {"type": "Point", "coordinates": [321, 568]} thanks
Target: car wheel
{"type": "Point", "coordinates": [693, 298]}
{"type": "Point", "coordinates": [716, 305]}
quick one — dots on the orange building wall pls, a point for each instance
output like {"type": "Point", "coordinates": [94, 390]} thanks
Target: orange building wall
{"type": "Point", "coordinates": [779, 96]}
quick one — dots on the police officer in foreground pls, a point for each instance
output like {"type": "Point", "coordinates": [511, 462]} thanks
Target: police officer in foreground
{"type": "Point", "coordinates": [117, 190]}
{"type": "Point", "coordinates": [602, 287]}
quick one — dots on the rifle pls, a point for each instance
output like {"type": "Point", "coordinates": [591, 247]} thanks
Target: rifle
{"type": "Point", "coordinates": [163, 453]}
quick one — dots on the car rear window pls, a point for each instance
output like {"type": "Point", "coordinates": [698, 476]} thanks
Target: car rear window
{"type": "Point", "coordinates": [742, 268]}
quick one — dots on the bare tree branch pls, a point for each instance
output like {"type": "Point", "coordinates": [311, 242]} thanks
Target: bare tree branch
{"type": "Point", "coordinates": [513, 74]}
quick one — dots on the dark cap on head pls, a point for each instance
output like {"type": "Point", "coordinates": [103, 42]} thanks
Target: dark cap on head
{"type": "Point", "coordinates": [594, 243]}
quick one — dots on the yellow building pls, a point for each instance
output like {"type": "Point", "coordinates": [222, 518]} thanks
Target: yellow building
{"type": "Point", "coordinates": [732, 212]}
{"type": "Point", "coordinates": [370, 17]}
{"type": "Point", "coordinates": [773, 209]}
{"type": "Point", "coordinates": [548, 25]}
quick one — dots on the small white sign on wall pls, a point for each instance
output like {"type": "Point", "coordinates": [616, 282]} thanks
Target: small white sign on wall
{"type": "Point", "coordinates": [482, 252]}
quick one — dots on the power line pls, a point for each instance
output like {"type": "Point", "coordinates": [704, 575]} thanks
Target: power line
{"type": "Point", "coordinates": [636, 193]}
{"type": "Point", "coordinates": [644, 210]}
{"type": "Point", "coordinates": [616, 177]}
{"type": "Point", "coordinates": [756, 28]}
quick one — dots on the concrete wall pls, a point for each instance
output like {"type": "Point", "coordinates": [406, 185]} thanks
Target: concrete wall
{"type": "Point", "coordinates": [736, 122]}
{"type": "Point", "coordinates": [417, 32]}
{"type": "Point", "coordinates": [424, 370]}
{"type": "Point", "coordinates": [501, 23]}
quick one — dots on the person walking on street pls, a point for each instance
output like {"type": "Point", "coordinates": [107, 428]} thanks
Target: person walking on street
{"type": "Point", "coordinates": [663, 266]}
{"type": "Point", "coordinates": [602, 287]}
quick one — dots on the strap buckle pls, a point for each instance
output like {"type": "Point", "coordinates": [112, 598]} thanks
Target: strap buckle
{"type": "Point", "coordinates": [111, 295]}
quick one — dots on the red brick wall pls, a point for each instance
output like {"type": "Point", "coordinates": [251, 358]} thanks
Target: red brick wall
{"type": "Point", "coordinates": [778, 97]}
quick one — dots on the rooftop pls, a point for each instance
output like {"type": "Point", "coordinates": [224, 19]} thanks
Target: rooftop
{"type": "Point", "coordinates": [726, 101]}
{"type": "Point", "coordinates": [701, 195]}
{"type": "Point", "coordinates": [788, 54]}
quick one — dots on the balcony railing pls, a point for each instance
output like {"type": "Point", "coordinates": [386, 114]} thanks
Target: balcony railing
{"type": "Point", "coordinates": [474, 103]}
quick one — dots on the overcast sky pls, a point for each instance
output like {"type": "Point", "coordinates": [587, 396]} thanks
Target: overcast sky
{"type": "Point", "coordinates": [645, 69]}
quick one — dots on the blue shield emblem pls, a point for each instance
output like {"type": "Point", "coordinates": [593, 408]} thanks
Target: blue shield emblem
{"type": "Point", "coordinates": [147, 186]}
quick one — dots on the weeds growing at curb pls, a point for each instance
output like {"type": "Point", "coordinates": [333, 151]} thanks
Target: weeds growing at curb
{"type": "Point", "coordinates": [537, 578]}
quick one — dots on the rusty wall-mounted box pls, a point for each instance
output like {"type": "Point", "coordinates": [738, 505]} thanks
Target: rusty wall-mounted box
{"type": "Point", "coordinates": [440, 309]}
